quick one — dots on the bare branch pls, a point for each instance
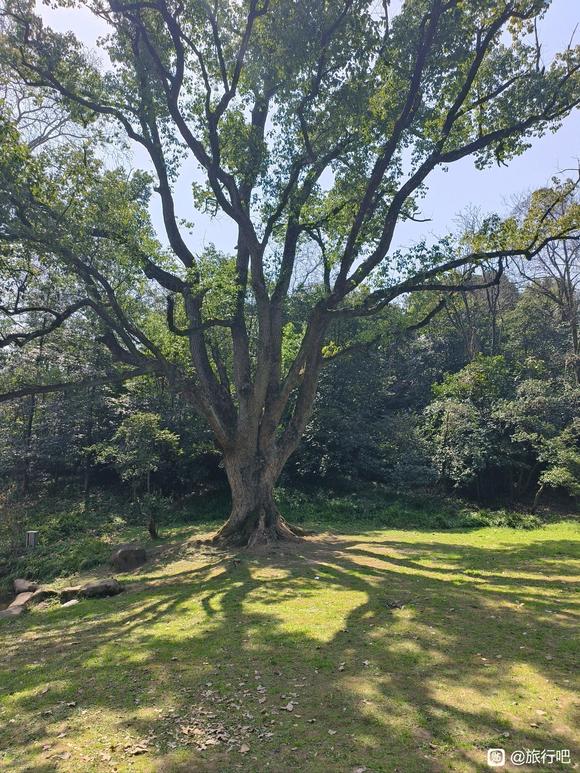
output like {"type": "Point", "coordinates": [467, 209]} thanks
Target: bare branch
{"type": "Point", "coordinates": [59, 318]}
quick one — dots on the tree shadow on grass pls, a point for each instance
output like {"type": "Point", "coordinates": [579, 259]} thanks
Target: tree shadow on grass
{"type": "Point", "coordinates": [394, 656]}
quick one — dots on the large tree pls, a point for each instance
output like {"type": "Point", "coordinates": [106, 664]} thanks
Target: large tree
{"type": "Point", "coordinates": [312, 126]}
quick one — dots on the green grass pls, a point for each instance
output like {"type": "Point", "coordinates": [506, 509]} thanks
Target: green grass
{"type": "Point", "coordinates": [192, 665]}
{"type": "Point", "coordinates": [75, 536]}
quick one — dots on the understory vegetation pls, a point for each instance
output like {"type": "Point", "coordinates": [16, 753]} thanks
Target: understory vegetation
{"type": "Point", "coordinates": [77, 534]}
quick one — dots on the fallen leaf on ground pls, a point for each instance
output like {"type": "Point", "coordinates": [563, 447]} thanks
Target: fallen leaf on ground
{"type": "Point", "coordinates": [139, 748]}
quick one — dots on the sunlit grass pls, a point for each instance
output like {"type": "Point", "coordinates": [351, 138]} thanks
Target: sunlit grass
{"type": "Point", "coordinates": [397, 650]}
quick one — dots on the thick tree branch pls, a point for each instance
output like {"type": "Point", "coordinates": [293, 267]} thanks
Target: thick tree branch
{"type": "Point", "coordinates": [59, 318]}
{"type": "Point", "coordinates": [73, 386]}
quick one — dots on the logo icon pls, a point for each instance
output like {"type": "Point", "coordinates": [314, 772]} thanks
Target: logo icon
{"type": "Point", "coordinates": [495, 758]}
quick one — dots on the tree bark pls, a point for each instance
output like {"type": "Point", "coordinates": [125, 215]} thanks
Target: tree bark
{"type": "Point", "coordinates": [152, 527]}
{"type": "Point", "coordinates": [536, 501]}
{"type": "Point", "coordinates": [255, 518]}
{"type": "Point", "coordinates": [28, 445]}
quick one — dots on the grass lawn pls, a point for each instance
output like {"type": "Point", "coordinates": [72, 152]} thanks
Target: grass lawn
{"type": "Point", "coordinates": [385, 650]}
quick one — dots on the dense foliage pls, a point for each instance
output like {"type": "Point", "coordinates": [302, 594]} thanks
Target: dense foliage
{"type": "Point", "coordinates": [483, 401]}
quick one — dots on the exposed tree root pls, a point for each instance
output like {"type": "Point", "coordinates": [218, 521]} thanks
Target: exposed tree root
{"type": "Point", "coordinates": [261, 528]}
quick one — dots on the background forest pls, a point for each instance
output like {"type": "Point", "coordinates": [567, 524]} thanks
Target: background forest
{"type": "Point", "coordinates": [482, 402]}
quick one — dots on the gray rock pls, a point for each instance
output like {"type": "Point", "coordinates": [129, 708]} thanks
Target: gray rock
{"type": "Point", "coordinates": [100, 588]}
{"type": "Point", "coordinates": [128, 557]}
{"type": "Point", "coordinates": [11, 612]}
{"type": "Point", "coordinates": [33, 597]}
{"type": "Point", "coordinates": [67, 594]}
{"type": "Point", "coordinates": [42, 594]}
{"type": "Point", "coordinates": [22, 599]}
{"type": "Point", "coordinates": [24, 586]}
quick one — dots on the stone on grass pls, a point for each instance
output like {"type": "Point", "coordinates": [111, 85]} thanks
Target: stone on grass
{"type": "Point", "coordinates": [11, 612]}
{"type": "Point", "coordinates": [42, 594]}
{"type": "Point", "coordinates": [67, 594]}
{"type": "Point", "coordinates": [24, 586]}
{"type": "Point", "coordinates": [22, 599]}
{"type": "Point", "coordinates": [128, 557]}
{"type": "Point", "coordinates": [91, 590]}
{"type": "Point", "coordinates": [101, 588]}
{"type": "Point", "coordinates": [33, 597]}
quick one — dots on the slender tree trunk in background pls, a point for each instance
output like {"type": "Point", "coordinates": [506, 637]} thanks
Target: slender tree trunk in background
{"type": "Point", "coordinates": [151, 522]}
{"type": "Point", "coordinates": [152, 527]}
{"type": "Point", "coordinates": [89, 442]}
{"type": "Point", "coordinates": [527, 479]}
{"type": "Point", "coordinates": [28, 444]}
{"type": "Point", "coordinates": [536, 502]}
{"type": "Point", "coordinates": [492, 295]}
{"type": "Point", "coordinates": [575, 348]}
{"type": "Point", "coordinates": [471, 342]}
{"type": "Point", "coordinates": [86, 480]}
{"type": "Point", "coordinates": [569, 289]}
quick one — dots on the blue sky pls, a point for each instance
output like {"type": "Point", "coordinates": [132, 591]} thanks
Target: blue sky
{"type": "Point", "coordinates": [449, 193]}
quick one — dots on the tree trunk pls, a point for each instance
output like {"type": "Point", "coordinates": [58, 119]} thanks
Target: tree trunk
{"type": "Point", "coordinates": [152, 527]}
{"type": "Point", "coordinates": [575, 347]}
{"type": "Point", "coordinates": [28, 445]}
{"type": "Point", "coordinates": [536, 501]}
{"type": "Point", "coordinates": [254, 518]}
{"type": "Point", "coordinates": [88, 443]}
